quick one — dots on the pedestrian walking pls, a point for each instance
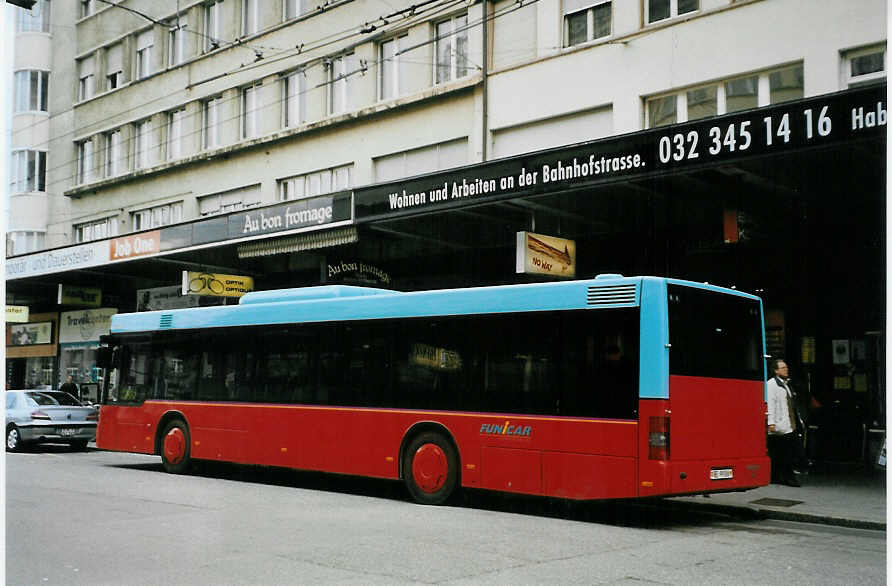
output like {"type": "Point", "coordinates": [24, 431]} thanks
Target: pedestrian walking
{"type": "Point", "coordinates": [783, 422]}
{"type": "Point", "coordinates": [70, 387]}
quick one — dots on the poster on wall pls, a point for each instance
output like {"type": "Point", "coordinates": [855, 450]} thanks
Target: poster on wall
{"type": "Point", "coordinates": [31, 334]}
{"type": "Point", "coordinates": [538, 254]}
{"type": "Point", "coordinates": [841, 352]}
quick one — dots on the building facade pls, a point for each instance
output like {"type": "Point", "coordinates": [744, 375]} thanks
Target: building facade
{"type": "Point", "coordinates": [177, 127]}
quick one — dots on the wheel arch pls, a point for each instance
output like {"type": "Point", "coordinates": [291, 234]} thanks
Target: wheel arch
{"type": "Point", "coordinates": [423, 427]}
{"type": "Point", "coordinates": [162, 423]}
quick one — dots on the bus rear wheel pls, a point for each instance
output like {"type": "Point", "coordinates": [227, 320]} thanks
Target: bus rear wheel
{"type": "Point", "coordinates": [430, 468]}
{"type": "Point", "coordinates": [175, 443]}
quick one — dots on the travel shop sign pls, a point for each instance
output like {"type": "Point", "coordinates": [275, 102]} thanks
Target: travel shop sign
{"type": "Point", "coordinates": [802, 124]}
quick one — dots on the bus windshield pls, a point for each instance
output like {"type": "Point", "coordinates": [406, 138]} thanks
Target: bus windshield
{"type": "Point", "coordinates": [712, 335]}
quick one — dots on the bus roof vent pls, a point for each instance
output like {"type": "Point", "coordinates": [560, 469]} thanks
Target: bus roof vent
{"type": "Point", "coordinates": [612, 295]}
{"type": "Point", "coordinates": [311, 293]}
{"type": "Point", "coordinates": [166, 321]}
{"type": "Point", "coordinates": [606, 276]}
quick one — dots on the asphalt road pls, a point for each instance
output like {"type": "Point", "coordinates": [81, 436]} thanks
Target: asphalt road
{"type": "Point", "coordinates": [106, 518]}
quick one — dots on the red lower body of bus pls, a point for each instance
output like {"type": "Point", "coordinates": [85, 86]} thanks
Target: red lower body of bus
{"type": "Point", "coordinates": [710, 437]}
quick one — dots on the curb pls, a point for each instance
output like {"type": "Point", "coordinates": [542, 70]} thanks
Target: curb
{"type": "Point", "coordinates": [763, 513]}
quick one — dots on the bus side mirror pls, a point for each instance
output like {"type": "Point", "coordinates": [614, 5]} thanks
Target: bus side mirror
{"type": "Point", "coordinates": [104, 357]}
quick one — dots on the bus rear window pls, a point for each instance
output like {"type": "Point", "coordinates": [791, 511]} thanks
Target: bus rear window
{"type": "Point", "coordinates": [714, 335]}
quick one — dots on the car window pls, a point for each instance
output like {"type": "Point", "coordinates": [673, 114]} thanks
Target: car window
{"type": "Point", "coordinates": [63, 398]}
{"type": "Point", "coordinates": [35, 399]}
{"type": "Point", "coordinates": [11, 400]}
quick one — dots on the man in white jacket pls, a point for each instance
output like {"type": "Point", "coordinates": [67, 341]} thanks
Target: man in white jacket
{"type": "Point", "coordinates": [782, 421]}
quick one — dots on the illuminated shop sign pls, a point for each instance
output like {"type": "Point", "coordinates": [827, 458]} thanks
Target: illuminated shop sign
{"type": "Point", "coordinates": [215, 284]}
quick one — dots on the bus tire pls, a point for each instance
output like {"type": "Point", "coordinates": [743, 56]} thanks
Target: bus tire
{"type": "Point", "coordinates": [175, 444]}
{"type": "Point", "coordinates": [430, 468]}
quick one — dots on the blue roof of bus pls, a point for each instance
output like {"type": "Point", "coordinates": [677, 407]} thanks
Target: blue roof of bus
{"type": "Point", "coordinates": [347, 303]}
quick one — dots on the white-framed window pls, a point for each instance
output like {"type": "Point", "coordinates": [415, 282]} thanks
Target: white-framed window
{"type": "Point", "coordinates": [114, 153]}
{"type": "Point", "coordinates": [175, 133]}
{"type": "Point", "coordinates": [36, 20]}
{"type": "Point", "coordinates": [249, 106]}
{"type": "Point", "coordinates": [316, 183]}
{"type": "Point", "coordinates": [452, 49]}
{"type": "Point", "coordinates": [85, 161]}
{"type": "Point", "coordinates": [586, 20]}
{"type": "Point", "coordinates": [292, 98]}
{"type": "Point", "coordinates": [229, 201]}
{"type": "Point", "coordinates": [157, 216]}
{"type": "Point", "coordinates": [292, 8]}
{"type": "Point", "coordinates": [28, 171]}
{"type": "Point", "coordinates": [176, 43]}
{"type": "Point", "coordinates": [426, 159]}
{"type": "Point", "coordinates": [213, 25]}
{"type": "Point", "coordinates": [733, 95]}
{"type": "Point", "coordinates": [210, 123]}
{"type": "Point", "coordinates": [145, 41]}
{"type": "Point", "coordinates": [142, 144]}
{"type": "Point", "coordinates": [250, 17]}
{"type": "Point", "coordinates": [864, 65]}
{"type": "Point", "coordinates": [96, 229]}
{"type": "Point", "coordinates": [31, 91]}
{"type": "Point", "coordinates": [87, 8]}
{"type": "Point", "coordinates": [393, 75]}
{"type": "Point", "coordinates": [340, 69]}
{"type": "Point", "coordinates": [86, 86]}
{"type": "Point", "coordinates": [24, 241]}
{"type": "Point", "coordinates": [657, 10]}
{"type": "Point", "coordinates": [114, 66]}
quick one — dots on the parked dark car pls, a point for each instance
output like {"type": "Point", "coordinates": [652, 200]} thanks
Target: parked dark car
{"type": "Point", "coordinates": [34, 416]}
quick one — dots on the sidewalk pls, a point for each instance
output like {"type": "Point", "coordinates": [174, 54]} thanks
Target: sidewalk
{"type": "Point", "coordinates": [835, 495]}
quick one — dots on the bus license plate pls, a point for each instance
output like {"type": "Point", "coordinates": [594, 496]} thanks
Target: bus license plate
{"type": "Point", "coordinates": [721, 473]}
{"type": "Point", "coordinates": [66, 431]}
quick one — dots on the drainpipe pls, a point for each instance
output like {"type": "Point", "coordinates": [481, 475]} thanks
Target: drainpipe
{"type": "Point", "coordinates": [485, 138]}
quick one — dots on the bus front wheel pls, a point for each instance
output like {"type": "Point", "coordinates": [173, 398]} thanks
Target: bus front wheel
{"type": "Point", "coordinates": [430, 468]}
{"type": "Point", "coordinates": [175, 447]}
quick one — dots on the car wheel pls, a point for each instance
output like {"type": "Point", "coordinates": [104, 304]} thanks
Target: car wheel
{"type": "Point", "coordinates": [430, 468]}
{"type": "Point", "coordinates": [14, 441]}
{"type": "Point", "coordinates": [175, 447]}
{"type": "Point", "coordinates": [78, 445]}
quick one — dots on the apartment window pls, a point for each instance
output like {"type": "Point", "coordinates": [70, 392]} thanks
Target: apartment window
{"type": "Point", "coordinates": [586, 20]}
{"type": "Point", "coordinates": [114, 66]}
{"type": "Point", "coordinates": [85, 161]}
{"type": "Point", "coordinates": [393, 75]}
{"type": "Point", "coordinates": [144, 43]}
{"type": "Point", "coordinates": [85, 75]}
{"type": "Point", "coordinates": [292, 100]}
{"type": "Point", "coordinates": [142, 144]}
{"type": "Point", "coordinates": [176, 38]}
{"type": "Point", "coordinates": [114, 154]}
{"type": "Point", "coordinates": [36, 20]}
{"type": "Point", "coordinates": [210, 126]}
{"type": "Point", "coordinates": [229, 201]}
{"type": "Point", "coordinates": [864, 66]}
{"type": "Point", "coordinates": [292, 8]}
{"type": "Point", "coordinates": [175, 134]}
{"type": "Point", "coordinates": [88, 7]}
{"type": "Point", "coordinates": [427, 159]}
{"type": "Point", "coordinates": [662, 9]}
{"type": "Point", "coordinates": [28, 172]}
{"type": "Point", "coordinates": [250, 17]}
{"type": "Point", "coordinates": [317, 183]}
{"type": "Point", "coordinates": [733, 95]}
{"type": "Point", "coordinates": [96, 230]}
{"type": "Point", "coordinates": [157, 216]}
{"type": "Point", "coordinates": [339, 72]}
{"type": "Point", "coordinates": [452, 49]}
{"type": "Point", "coordinates": [213, 25]}
{"type": "Point", "coordinates": [24, 241]}
{"type": "Point", "coordinates": [31, 89]}
{"type": "Point", "coordinates": [249, 105]}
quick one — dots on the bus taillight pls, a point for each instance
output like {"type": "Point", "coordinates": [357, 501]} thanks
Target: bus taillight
{"type": "Point", "coordinates": [658, 438]}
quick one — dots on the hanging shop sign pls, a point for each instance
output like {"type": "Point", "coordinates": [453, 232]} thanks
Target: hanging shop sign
{"type": "Point", "coordinates": [538, 254]}
{"type": "Point", "coordinates": [30, 334]}
{"type": "Point", "coordinates": [85, 325]}
{"type": "Point", "coordinates": [792, 126]}
{"type": "Point", "coordinates": [215, 284]}
{"type": "Point", "coordinates": [340, 271]}
{"type": "Point", "coordinates": [82, 296]}
{"type": "Point", "coordinates": [164, 298]}
{"type": "Point", "coordinates": [16, 314]}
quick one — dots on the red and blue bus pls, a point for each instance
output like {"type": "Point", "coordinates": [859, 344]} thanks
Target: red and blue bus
{"type": "Point", "coordinates": [613, 387]}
